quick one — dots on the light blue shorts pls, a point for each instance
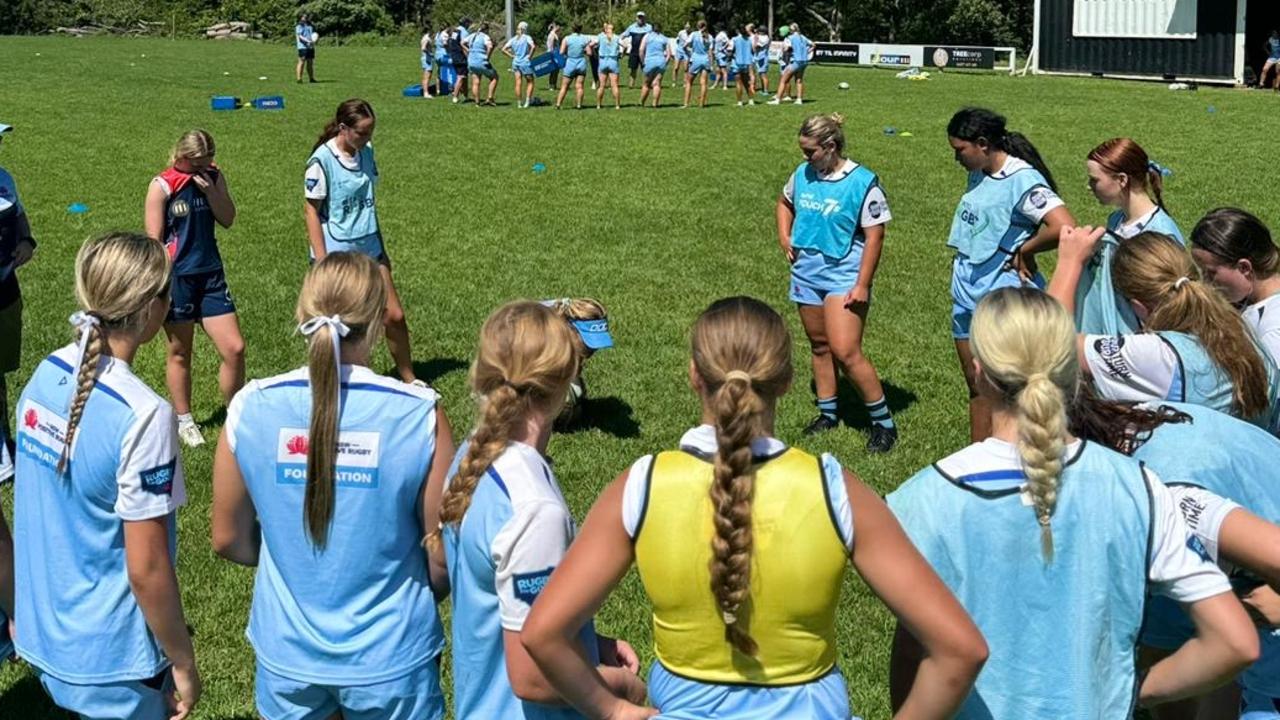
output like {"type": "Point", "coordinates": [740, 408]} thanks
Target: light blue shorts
{"type": "Point", "coordinates": [826, 698]}
{"type": "Point", "coordinates": [132, 699]}
{"type": "Point", "coordinates": [426, 62]}
{"type": "Point", "coordinates": [722, 60]}
{"type": "Point", "coordinates": [608, 66]}
{"type": "Point", "coordinates": [762, 65]}
{"type": "Point", "coordinates": [969, 284]}
{"type": "Point", "coordinates": [483, 71]}
{"type": "Point", "coordinates": [797, 69]}
{"type": "Point", "coordinates": [1255, 706]}
{"type": "Point", "coordinates": [653, 69]}
{"type": "Point", "coordinates": [697, 66]}
{"type": "Point", "coordinates": [415, 696]}
{"type": "Point", "coordinates": [524, 67]}
{"type": "Point", "coordinates": [743, 70]}
{"type": "Point", "coordinates": [575, 67]}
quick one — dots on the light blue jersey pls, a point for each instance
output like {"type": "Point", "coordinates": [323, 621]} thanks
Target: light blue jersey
{"type": "Point", "coordinates": [575, 46]}
{"type": "Point", "coordinates": [608, 47]}
{"type": "Point", "coordinates": [699, 54]}
{"type": "Point", "coordinates": [522, 48]}
{"type": "Point", "coordinates": [801, 49]}
{"type": "Point", "coordinates": [828, 235]}
{"type": "Point", "coordinates": [80, 620]}
{"type": "Point", "coordinates": [1236, 461]}
{"type": "Point", "coordinates": [996, 215]}
{"type": "Point", "coordinates": [514, 534]}
{"type": "Point", "coordinates": [1200, 381]}
{"type": "Point", "coordinates": [655, 54]}
{"type": "Point", "coordinates": [360, 610]}
{"type": "Point", "coordinates": [1077, 618]}
{"type": "Point", "coordinates": [300, 31]}
{"type": "Point", "coordinates": [349, 216]}
{"type": "Point", "coordinates": [480, 44]}
{"type": "Point", "coordinates": [742, 52]}
{"type": "Point", "coordinates": [1100, 308]}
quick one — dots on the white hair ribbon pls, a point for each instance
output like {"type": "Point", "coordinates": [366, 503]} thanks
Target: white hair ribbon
{"type": "Point", "coordinates": [338, 330]}
{"type": "Point", "coordinates": [1181, 281]}
{"type": "Point", "coordinates": [83, 323]}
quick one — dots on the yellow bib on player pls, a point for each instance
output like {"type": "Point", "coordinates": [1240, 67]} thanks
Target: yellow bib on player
{"type": "Point", "coordinates": [797, 565]}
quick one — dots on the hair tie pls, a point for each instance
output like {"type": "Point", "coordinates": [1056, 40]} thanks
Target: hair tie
{"type": "Point", "coordinates": [83, 322]}
{"type": "Point", "coordinates": [1180, 282]}
{"type": "Point", "coordinates": [729, 618]}
{"type": "Point", "coordinates": [1036, 377]}
{"type": "Point", "coordinates": [738, 375]}
{"type": "Point", "coordinates": [1157, 168]}
{"type": "Point", "coordinates": [338, 330]}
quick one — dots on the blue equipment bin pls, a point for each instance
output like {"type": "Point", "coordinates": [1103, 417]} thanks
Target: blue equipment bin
{"type": "Point", "coordinates": [224, 102]}
{"type": "Point", "coordinates": [268, 102]}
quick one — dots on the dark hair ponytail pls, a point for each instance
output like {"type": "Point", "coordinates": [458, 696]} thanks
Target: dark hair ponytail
{"type": "Point", "coordinates": [348, 113]}
{"type": "Point", "coordinates": [1233, 235]}
{"type": "Point", "coordinates": [972, 124]}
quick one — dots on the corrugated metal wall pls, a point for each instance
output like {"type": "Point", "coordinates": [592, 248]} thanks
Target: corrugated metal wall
{"type": "Point", "coordinates": [1163, 19]}
{"type": "Point", "coordinates": [1210, 55]}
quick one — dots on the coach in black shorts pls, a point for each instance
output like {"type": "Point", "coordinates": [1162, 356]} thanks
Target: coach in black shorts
{"type": "Point", "coordinates": [636, 31]}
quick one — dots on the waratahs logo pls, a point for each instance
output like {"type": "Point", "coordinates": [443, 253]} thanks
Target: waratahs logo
{"type": "Point", "coordinates": [31, 419]}
{"type": "Point", "coordinates": [297, 445]}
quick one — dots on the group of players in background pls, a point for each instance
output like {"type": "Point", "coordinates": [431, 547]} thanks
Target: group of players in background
{"type": "Point", "coordinates": [1124, 419]}
{"type": "Point", "coordinates": [460, 59]}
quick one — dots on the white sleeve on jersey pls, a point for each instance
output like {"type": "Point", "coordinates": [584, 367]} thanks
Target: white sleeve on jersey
{"type": "Point", "coordinates": [316, 186]}
{"type": "Point", "coordinates": [1038, 202]}
{"type": "Point", "coordinates": [875, 208]}
{"type": "Point", "coordinates": [1132, 367]}
{"type": "Point", "coordinates": [149, 482]}
{"type": "Point", "coordinates": [634, 493]}
{"type": "Point", "coordinates": [1204, 513]}
{"type": "Point", "coordinates": [164, 185]}
{"type": "Point", "coordinates": [1181, 568]}
{"type": "Point", "coordinates": [525, 552]}
{"type": "Point", "coordinates": [789, 190]}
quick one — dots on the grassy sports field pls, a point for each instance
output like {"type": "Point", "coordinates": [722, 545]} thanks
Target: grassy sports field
{"type": "Point", "coordinates": [656, 213]}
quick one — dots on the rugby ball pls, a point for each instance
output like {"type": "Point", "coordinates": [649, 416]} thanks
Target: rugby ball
{"type": "Point", "coordinates": [843, 86]}
{"type": "Point", "coordinates": [315, 36]}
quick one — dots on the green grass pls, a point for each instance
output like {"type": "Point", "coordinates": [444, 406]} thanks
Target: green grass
{"type": "Point", "coordinates": [656, 213]}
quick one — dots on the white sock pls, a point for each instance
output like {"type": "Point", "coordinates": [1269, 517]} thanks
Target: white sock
{"type": "Point", "coordinates": [186, 419]}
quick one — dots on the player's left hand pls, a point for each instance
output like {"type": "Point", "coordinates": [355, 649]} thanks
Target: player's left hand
{"type": "Point", "coordinates": [1025, 264]}
{"type": "Point", "coordinates": [1077, 244]}
{"type": "Point", "coordinates": [626, 656]}
{"type": "Point", "coordinates": [1263, 605]}
{"type": "Point", "coordinates": [858, 298]}
{"type": "Point", "coordinates": [23, 253]}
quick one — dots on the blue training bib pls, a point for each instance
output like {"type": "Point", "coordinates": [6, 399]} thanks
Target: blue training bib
{"type": "Point", "coordinates": [987, 220]}
{"type": "Point", "coordinates": [828, 213]}
{"type": "Point", "coordinates": [349, 213]}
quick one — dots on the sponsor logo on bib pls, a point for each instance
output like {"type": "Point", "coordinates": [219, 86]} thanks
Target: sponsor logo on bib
{"type": "Point", "coordinates": [1038, 199]}
{"type": "Point", "coordinates": [180, 208]}
{"type": "Point", "coordinates": [355, 466]}
{"type": "Point", "coordinates": [826, 207]}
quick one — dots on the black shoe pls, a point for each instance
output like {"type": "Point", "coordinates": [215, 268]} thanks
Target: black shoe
{"type": "Point", "coordinates": [821, 424]}
{"type": "Point", "coordinates": [882, 439]}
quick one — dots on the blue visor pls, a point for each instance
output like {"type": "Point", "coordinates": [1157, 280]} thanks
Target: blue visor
{"type": "Point", "coordinates": [595, 333]}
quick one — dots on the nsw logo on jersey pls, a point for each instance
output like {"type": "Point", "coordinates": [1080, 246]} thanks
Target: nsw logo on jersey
{"type": "Point", "coordinates": [527, 586]}
{"type": "Point", "coordinates": [41, 434]}
{"type": "Point", "coordinates": [356, 464]}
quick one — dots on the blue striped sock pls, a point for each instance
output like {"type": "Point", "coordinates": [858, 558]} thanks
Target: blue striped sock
{"type": "Point", "coordinates": [827, 406]}
{"type": "Point", "coordinates": [879, 412]}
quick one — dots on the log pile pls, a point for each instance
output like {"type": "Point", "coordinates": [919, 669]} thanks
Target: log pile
{"type": "Point", "coordinates": [231, 31]}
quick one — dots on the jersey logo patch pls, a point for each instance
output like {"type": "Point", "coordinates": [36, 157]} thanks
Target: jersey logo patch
{"type": "Point", "coordinates": [159, 480]}
{"type": "Point", "coordinates": [875, 208]}
{"type": "Point", "coordinates": [529, 585]}
{"type": "Point", "coordinates": [1197, 547]}
{"type": "Point", "coordinates": [312, 182]}
{"type": "Point", "coordinates": [180, 208]}
{"type": "Point", "coordinates": [1108, 348]}
{"type": "Point", "coordinates": [355, 466]}
{"type": "Point", "coordinates": [1038, 200]}
{"type": "Point", "coordinates": [41, 434]}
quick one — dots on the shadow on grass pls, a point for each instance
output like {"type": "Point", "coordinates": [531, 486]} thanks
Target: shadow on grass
{"type": "Point", "coordinates": [607, 414]}
{"type": "Point", "coordinates": [853, 412]}
{"type": "Point", "coordinates": [27, 699]}
{"type": "Point", "coordinates": [217, 419]}
{"type": "Point", "coordinates": [436, 368]}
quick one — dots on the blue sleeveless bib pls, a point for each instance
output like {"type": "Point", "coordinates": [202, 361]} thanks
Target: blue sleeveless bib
{"type": "Point", "coordinates": [828, 213]}
{"type": "Point", "coordinates": [1201, 382]}
{"type": "Point", "coordinates": [349, 213]}
{"type": "Point", "coordinates": [987, 220]}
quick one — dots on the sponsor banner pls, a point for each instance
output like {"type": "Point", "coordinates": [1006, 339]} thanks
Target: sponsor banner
{"type": "Point", "coordinates": [893, 55]}
{"type": "Point", "coordinates": [356, 464]}
{"type": "Point", "coordinates": [835, 53]}
{"type": "Point", "coordinates": [945, 56]}
{"type": "Point", "coordinates": [546, 63]}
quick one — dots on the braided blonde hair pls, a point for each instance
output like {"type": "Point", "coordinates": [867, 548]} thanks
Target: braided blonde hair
{"type": "Point", "coordinates": [1026, 344]}
{"type": "Point", "coordinates": [524, 364]}
{"type": "Point", "coordinates": [350, 286]}
{"type": "Point", "coordinates": [118, 275]}
{"type": "Point", "coordinates": [742, 354]}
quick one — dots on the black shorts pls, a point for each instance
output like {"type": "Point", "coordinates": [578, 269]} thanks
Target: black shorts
{"type": "Point", "coordinates": [196, 297]}
{"type": "Point", "coordinates": [306, 53]}
{"type": "Point", "coordinates": [460, 68]}
{"type": "Point", "coordinates": [633, 62]}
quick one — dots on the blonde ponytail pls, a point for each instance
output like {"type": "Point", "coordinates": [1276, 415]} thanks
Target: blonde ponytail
{"type": "Point", "coordinates": [1026, 345]}
{"type": "Point", "coordinates": [742, 353]}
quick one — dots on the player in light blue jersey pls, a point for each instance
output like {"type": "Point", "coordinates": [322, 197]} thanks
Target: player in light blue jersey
{"type": "Point", "coordinates": [760, 41]}
{"type": "Point", "coordinates": [520, 49]}
{"type": "Point", "coordinates": [742, 66]}
{"type": "Point", "coordinates": [699, 50]}
{"type": "Point", "coordinates": [656, 52]}
{"type": "Point", "coordinates": [304, 36]}
{"type": "Point", "coordinates": [425, 46]}
{"type": "Point", "coordinates": [800, 50]}
{"type": "Point", "coordinates": [681, 54]}
{"type": "Point", "coordinates": [326, 479]}
{"type": "Point", "coordinates": [831, 223]}
{"type": "Point", "coordinates": [341, 215]}
{"type": "Point", "coordinates": [1053, 544]}
{"type": "Point", "coordinates": [1120, 175]}
{"type": "Point", "coordinates": [479, 48]}
{"type": "Point", "coordinates": [606, 47]}
{"type": "Point", "coordinates": [1224, 475]}
{"type": "Point", "coordinates": [504, 524]}
{"type": "Point", "coordinates": [96, 492]}
{"type": "Point", "coordinates": [1193, 346]}
{"type": "Point", "coordinates": [1010, 210]}
{"type": "Point", "coordinates": [440, 44]}
{"type": "Point", "coordinates": [574, 49]}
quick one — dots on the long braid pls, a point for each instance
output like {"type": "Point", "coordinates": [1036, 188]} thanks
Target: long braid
{"type": "Point", "coordinates": [1042, 429]}
{"type": "Point", "coordinates": [86, 378]}
{"type": "Point", "coordinates": [737, 409]}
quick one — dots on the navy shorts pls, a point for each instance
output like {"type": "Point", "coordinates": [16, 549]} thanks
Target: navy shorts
{"type": "Point", "coordinates": [306, 53]}
{"type": "Point", "coordinates": [196, 297]}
